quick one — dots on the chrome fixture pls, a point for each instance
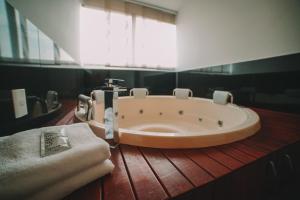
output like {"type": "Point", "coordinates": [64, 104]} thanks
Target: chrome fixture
{"type": "Point", "coordinates": [84, 102]}
{"type": "Point", "coordinates": [113, 85]}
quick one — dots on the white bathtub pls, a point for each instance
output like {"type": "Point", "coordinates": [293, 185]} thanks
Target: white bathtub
{"type": "Point", "coordinates": [167, 122]}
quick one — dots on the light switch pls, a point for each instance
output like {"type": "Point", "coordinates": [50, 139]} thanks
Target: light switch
{"type": "Point", "coordinates": [19, 102]}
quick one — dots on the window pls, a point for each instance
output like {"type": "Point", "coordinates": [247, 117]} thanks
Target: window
{"type": "Point", "coordinates": [5, 38]}
{"type": "Point", "coordinates": [121, 37]}
{"type": "Point", "coordinates": [33, 41]}
{"type": "Point", "coordinates": [21, 41]}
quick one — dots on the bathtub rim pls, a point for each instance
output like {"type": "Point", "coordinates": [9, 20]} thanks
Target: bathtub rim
{"type": "Point", "coordinates": [179, 140]}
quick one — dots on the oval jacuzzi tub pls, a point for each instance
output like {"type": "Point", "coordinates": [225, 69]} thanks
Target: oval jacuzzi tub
{"type": "Point", "coordinates": [167, 122]}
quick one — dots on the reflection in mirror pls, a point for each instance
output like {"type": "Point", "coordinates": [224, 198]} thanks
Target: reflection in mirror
{"type": "Point", "coordinates": [46, 49]}
{"type": "Point", "coordinates": [220, 69]}
{"type": "Point", "coordinates": [22, 42]}
{"type": "Point", "coordinates": [33, 42]}
{"type": "Point", "coordinates": [21, 36]}
{"type": "Point", "coordinates": [64, 56]}
{"type": "Point", "coordinates": [268, 65]}
{"type": "Point", "coordinates": [5, 44]}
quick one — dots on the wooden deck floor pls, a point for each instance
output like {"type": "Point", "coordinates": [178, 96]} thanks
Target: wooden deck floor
{"type": "Point", "coordinates": [146, 173]}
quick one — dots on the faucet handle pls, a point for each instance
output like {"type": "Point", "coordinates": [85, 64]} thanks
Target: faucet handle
{"type": "Point", "coordinates": [113, 81]}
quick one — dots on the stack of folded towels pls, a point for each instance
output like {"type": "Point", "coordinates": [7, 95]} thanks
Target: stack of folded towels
{"type": "Point", "coordinates": [24, 174]}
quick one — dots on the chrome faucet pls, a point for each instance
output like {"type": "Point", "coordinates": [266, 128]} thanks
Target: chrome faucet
{"type": "Point", "coordinates": [113, 83]}
{"type": "Point", "coordinates": [114, 87]}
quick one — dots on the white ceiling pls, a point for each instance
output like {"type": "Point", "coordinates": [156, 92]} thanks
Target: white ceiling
{"type": "Point", "coordinates": [167, 4]}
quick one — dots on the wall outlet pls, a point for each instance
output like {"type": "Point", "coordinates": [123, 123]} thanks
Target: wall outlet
{"type": "Point", "coordinates": [19, 102]}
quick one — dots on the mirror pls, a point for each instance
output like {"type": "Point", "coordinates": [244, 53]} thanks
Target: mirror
{"type": "Point", "coordinates": [268, 65]}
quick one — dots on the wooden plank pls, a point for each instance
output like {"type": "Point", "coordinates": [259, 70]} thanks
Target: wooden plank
{"type": "Point", "coordinates": [151, 178]}
{"type": "Point", "coordinates": [66, 119]}
{"type": "Point", "coordinates": [252, 151]}
{"type": "Point", "coordinates": [118, 180]}
{"type": "Point", "coordinates": [145, 183]}
{"type": "Point", "coordinates": [266, 144]}
{"type": "Point", "coordinates": [71, 120]}
{"type": "Point", "coordinates": [67, 106]}
{"type": "Point", "coordinates": [174, 182]}
{"type": "Point", "coordinates": [222, 158]}
{"type": "Point", "coordinates": [191, 171]}
{"type": "Point", "coordinates": [207, 163]}
{"type": "Point", "coordinates": [267, 140]}
{"type": "Point", "coordinates": [265, 137]}
{"type": "Point", "coordinates": [282, 134]}
{"type": "Point", "coordinates": [228, 187]}
{"type": "Point", "coordinates": [237, 154]}
{"type": "Point", "coordinates": [279, 117]}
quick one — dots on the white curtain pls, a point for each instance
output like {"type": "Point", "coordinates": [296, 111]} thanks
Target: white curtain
{"type": "Point", "coordinates": [122, 34]}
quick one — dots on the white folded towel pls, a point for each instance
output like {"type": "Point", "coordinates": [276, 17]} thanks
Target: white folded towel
{"type": "Point", "coordinates": [221, 97]}
{"type": "Point", "coordinates": [139, 93]}
{"type": "Point", "coordinates": [64, 187]}
{"type": "Point", "coordinates": [99, 96]}
{"type": "Point", "coordinates": [23, 171]}
{"type": "Point", "coordinates": [182, 93]}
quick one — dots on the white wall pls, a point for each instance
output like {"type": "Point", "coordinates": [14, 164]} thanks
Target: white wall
{"type": "Point", "coordinates": [215, 32]}
{"type": "Point", "coordinates": [59, 19]}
